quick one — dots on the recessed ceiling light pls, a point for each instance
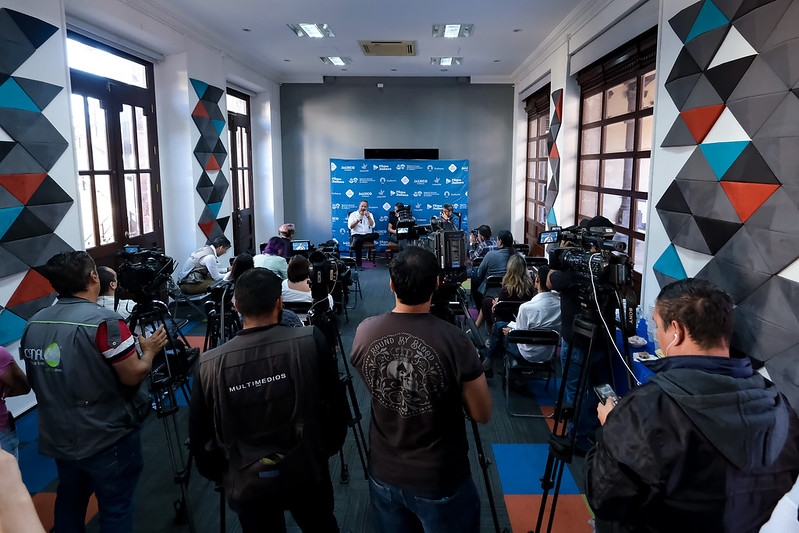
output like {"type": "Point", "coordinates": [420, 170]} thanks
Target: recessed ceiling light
{"type": "Point", "coordinates": [245, 29]}
{"type": "Point", "coordinates": [336, 60]}
{"type": "Point", "coordinates": [446, 61]}
{"type": "Point", "coordinates": [517, 30]}
{"type": "Point", "coordinates": [307, 29]}
{"type": "Point", "coordinates": [393, 70]}
{"type": "Point", "coordinates": [451, 31]}
{"type": "Point", "coordinates": [497, 60]}
{"type": "Point", "coordinates": [287, 60]}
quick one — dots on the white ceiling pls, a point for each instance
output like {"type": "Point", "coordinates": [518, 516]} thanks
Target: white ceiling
{"type": "Point", "coordinates": [492, 53]}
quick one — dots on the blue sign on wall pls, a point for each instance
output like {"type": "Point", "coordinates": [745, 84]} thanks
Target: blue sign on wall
{"type": "Point", "coordinates": [425, 185]}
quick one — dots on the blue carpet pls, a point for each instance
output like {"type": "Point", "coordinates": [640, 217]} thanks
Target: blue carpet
{"type": "Point", "coordinates": [521, 466]}
{"type": "Point", "coordinates": [37, 470]}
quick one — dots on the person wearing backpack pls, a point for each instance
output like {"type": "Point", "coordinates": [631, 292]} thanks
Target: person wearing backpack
{"type": "Point", "coordinates": [267, 411]}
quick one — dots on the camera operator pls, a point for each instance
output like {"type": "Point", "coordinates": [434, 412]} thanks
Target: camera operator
{"type": "Point", "coordinates": [393, 221]}
{"type": "Point", "coordinates": [421, 371]}
{"type": "Point", "coordinates": [108, 289]}
{"type": "Point", "coordinates": [89, 382]}
{"type": "Point", "coordinates": [267, 410]}
{"type": "Point", "coordinates": [297, 287]}
{"type": "Point", "coordinates": [495, 263]}
{"type": "Point", "coordinates": [707, 445]}
{"type": "Point", "coordinates": [481, 242]}
{"type": "Point", "coordinates": [567, 284]}
{"type": "Point", "coordinates": [361, 224]}
{"type": "Point", "coordinates": [447, 214]}
{"type": "Point", "coordinates": [201, 270]}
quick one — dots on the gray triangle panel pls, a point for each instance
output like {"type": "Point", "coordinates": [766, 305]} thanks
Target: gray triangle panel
{"type": "Point", "coordinates": [28, 126]}
{"type": "Point", "coordinates": [750, 167]}
{"type": "Point", "coordinates": [684, 65]}
{"type": "Point", "coordinates": [697, 168]}
{"type": "Point", "coordinates": [703, 47]}
{"type": "Point", "coordinates": [786, 28]}
{"type": "Point", "coordinates": [775, 302]}
{"type": "Point", "coordinates": [783, 121]}
{"type": "Point", "coordinates": [10, 264]}
{"type": "Point", "coordinates": [690, 237]}
{"type": "Point", "coordinates": [217, 194]}
{"type": "Point", "coordinates": [737, 281]}
{"type": "Point", "coordinates": [728, 7]}
{"type": "Point", "coordinates": [205, 216]}
{"type": "Point", "coordinates": [35, 251]}
{"type": "Point", "coordinates": [17, 48]}
{"type": "Point", "coordinates": [784, 61]}
{"type": "Point", "coordinates": [782, 156]}
{"type": "Point", "coordinates": [673, 200]}
{"type": "Point", "coordinates": [216, 232]}
{"type": "Point", "coordinates": [709, 199]}
{"type": "Point", "coordinates": [758, 337]}
{"type": "Point", "coordinates": [8, 200]}
{"type": "Point", "coordinates": [205, 193]}
{"type": "Point", "coordinates": [554, 164]}
{"type": "Point", "coordinates": [202, 158]}
{"type": "Point", "coordinates": [35, 30]}
{"type": "Point", "coordinates": [40, 92]}
{"type": "Point", "coordinates": [51, 214]}
{"type": "Point", "coordinates": [784, 373]}
{"type": "Point", "coordinates": [756, 25]}
{"type": "Point", "coordinates": [748, 5]}
{"type": "Point", "coordinates": [213, 94]}
{"type": "Point", "coordinates": [663, 279]}
{"type": "Point", "coordinates": [553, 185]}
{"type": "Point", "coordinates": [46, 153]}
{"type": "Point", "coordinates": [757, 81]}
{"type": "Point", "coordinates": [674, 223]}
{"type": "Point", "coordinates": [680, 89]}
{"type": "Point", "coordinates": [778, 249]}
{"type": "Point", "coordinates": [752, 112]}
{"type": "Point", "coordinates": [554, 128]}
{"type": "Point", "coordinates": [683, 21]}
{"type": "Point", "coordinates": [19, 161]}
{"type": "Point", "coordinates": [742, 251]}
{"type": "Point", "coordinates": [703, 95]}
{"type": "Point", "coordinates": [778, 213]}
{"type": "Point", "coordinates": [792, 191]}
{"type": "Point", "coordinates": [214, 113]}
{"type": "Point", "coordinates": [678, 135]}
{"type": "Point", "coordinates": [204, 181]}
{"type": "Point", "coordinates": [28, 309]}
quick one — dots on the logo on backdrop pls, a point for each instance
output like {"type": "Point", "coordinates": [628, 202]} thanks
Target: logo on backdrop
{"type": "Point", "coordinates": [452, 167]}
{"type": "Point", "coordinates": [350, 193]}
{"type": "Point", "coordinates": [405, 180]}
{"type": "Point", "coordinates": [332, 166]}
{"type": "Point", "coordinates": [386, 206]}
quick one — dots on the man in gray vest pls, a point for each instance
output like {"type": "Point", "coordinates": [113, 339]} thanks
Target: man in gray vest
{"type": "Point", "coordinates": [200, 270]}
{"type": "Point", "coordinates": [89, 381]}
{"type": "Point", "coordinates": [267, 410]}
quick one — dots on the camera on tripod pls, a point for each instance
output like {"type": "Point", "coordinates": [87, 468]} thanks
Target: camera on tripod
{"type": "Point", "coordinates": [329, 275]}
{"type": "Point", "coordinates": [144, 272]}
{"type": "Point", "coordinates": [406, 223]}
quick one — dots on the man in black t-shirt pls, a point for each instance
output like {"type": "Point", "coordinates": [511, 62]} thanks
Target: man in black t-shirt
{"type": "Point", "coordinates": [421, 373]}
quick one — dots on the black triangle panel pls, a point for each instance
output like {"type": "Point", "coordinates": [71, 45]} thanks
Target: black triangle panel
{"type": "Point", "coordinates": [750, 167]}
{"type": "Point", "coordinates": [5, 148]}
{"type": "Point", "coordinates": [16, 47]}
{"type": "Point", "coordinates": [716, 232]}
{"type": "Point", "coordinates": [36, 251]}
{"type": "Point", "coordinates": [37, 31]}
{"type": "Point", "coordinates": [678, 135]}
{"type": "Point", "coordinates": [725, 77]}
{"type": "Point", "coordinates": [674, 223]}
{"type": "Point", "coordinates": [737, 281]}
{"type": "Point", "coordinates": [663, 279]}
{"type": "Point", "coordinates": [680, 89]}
{"type": "Point", "coordinates": [49, 192]}
{"type": "Point", "coordinates": [10, 264]}
{"type": "Point", "coordinates": [40, 92]}
{"type": "Point", "coordinates": [216, 231]}
{"type": "Point", "coordinates": [673, 200]}
{"type": "Point", "coordinates": [26, 225]}
{"type": "Point", "coordinates": [219, 148]}
{"type": "Point", "coordinates": [728, 7]}
{"type": "Point", "coordinates": [51, 215]}
{"type": "Point", "coordinates": [205, 193]}
{"type": "Point", "coordinates": [28, 309]}
{"type": "Point", "coordinates": [704, 47]}
{"type": "Point", "coordinates": [684, 65]}
{"type": "Point", "coordinates": [213, 94]}
{"type": "Point", "coordinates": [756, 24]}
{"type": "Point", "coordinates": [683, 21]}
{"type": "Point", "coordinates": [690, 237]}
{"type": "Point", "coordinates": [214, 113]}
{"type": "Point", "coordinates": [749, 5]}
{"type": "Point", "coordinates": [223, 222]}
{"type": "Point", "coordinates": [217, 195]}
{"type": "Point", "coordinates": [204, 181]}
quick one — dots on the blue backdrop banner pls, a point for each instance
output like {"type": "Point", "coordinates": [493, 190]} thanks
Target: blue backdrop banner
{"type": "Point", "coordinates": [425, 185]}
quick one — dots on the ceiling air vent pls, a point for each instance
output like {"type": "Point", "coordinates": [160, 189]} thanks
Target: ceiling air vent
{"type": "Point", "coordinates": [388, 48]}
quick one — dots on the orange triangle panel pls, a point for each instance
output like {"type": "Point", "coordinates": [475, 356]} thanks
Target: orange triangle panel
{"type": "Point", "coordinates": [200, 111]}
{"type": "Point", "coordinates": [212, 164]}
{"type": "Point", "coordinates": [747, 198]}
{"type": "Point", "coordinates": [559, 106]}
{"type": "Point", "coordinates": [22, 186]}
{"type": "Point", "coordinates": [553, 154]}
{"type": "Point", "coordinates": [206, 227]}
{"type": "Point", "coordinates": [33, 286]}
{"type": "Point", "coordinates": [701, 119]}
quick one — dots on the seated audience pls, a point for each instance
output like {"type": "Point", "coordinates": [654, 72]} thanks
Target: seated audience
{"type": "Point", "coordinates": [543, 311]}
{"type": "Point", "coordinates": [273, 257]}
{"type": "Point", "coordinates": [517, 286]}
{"type": "Point", "coordinates": [241, 264]}
{"type": "Point", "coordinates": [13, 382]}
{"type": "Point", "coordinates": [108, 289]}
{"type": "Point", "coordinates": [495, 263]}
{"type": "Point", "coordinates": [200, 270]}
{"type": "Point", "coordinates": [286, 232]}
{"type": "Point", "coordinates": [297, 287]}
{"type": "Point", "coordinates": [707, 444]}
{"type": "Point", "coordinates": [482, 243]}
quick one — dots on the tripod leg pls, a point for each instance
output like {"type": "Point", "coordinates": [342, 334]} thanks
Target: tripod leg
{"type": "Point", "coordinates": [345, 470]}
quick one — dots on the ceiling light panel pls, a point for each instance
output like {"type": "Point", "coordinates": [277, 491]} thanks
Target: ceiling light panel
{"type": "Point", "coordinates": [336, 60]}
{"type": "Point", "coordinates": [446, 61]}
{"type": "Point", "coordinates": [314, 30]}
{"type": "Point", "coordinates": [452, 31]}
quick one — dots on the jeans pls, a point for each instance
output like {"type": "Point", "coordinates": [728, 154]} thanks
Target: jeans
{"type": "Point", "coordinates": [397, 511]}
{"type": "Point", "coordinates": [598, 373]}
{"type": "Point", "coordinates": [498, 341]}
{"type": "Point", "coordinates": [357, 244]}
{"type": "Point", "coordinates": [112, 475]}
{"type": "Point", "coordinates": [9, 442]}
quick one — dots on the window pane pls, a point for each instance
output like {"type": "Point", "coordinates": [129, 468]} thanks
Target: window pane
{"type": "Point", "coordinates": [530, 210]}
{"type": "Point", "coordinates": [616, 209]}
{"type": "Point", "coordinates": [588, 204]}
{"type": "Point", "coordinates": [589, 172]}
{"type": "Point", "coordinates": [543, 125]}
{"type": "Point", "coordinates": [542, 215]}
{"type": "Point", "coordinates": [648, 90]}
{"type": "Point", "coordinates": [643, 175]}
{"type": "Point", "coordinates": [531, 188]}
{"type": "Point", "coordinates": [87, 210]}
{"type": "Point", "coordinates": [542, 192]}
{"type": "Point", "coordinates": [543, 149]}
{"type": "Point", "coordinates": [591, 137]}
{"type": "Point", "coordinates": [618, 174]}
{"type": "Point", "coordinates": [240, 178]}
{"type": "Point", "coordinates": [645, 133]}
{"type": "Point", "coordinates": [640, 215]}
{"type": "Point", "coordinates": [621, 99]}
{"type": "Point", "coordinates": [126, 127]}
{"type": "Point", "coordinates": [143, 139]}
{"type": "Point", "coordinates": [592, 108]}
{"type": "Point", "coordinates": [532, 128]}
{"type": "Point", "coordinates": [132, 205]}
{"type": "Point", "coordinates": [542, 171]}
{"type": "Point", "coordinates": [531, 168]}
{"type": "Point", "coordinates": [532, 149]}
{"type": "Point", "coordinates": [146, 204]}
{"type": "Point", "coordinates": [99, 134]}
{"type": "Point", "coordinates": [95, 61]}
{"type": "Point", "coordinates": [102, 188]}
{"type": "Point", "coordinates": [79, 131]}
{"type": "Point", "coordinates": [639, 255]}
{"type": "Point", "coordinates": [236, 105]}
{"type": "Point", "coordinates": [619, 136]}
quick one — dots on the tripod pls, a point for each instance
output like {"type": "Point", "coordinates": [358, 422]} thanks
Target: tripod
{"type": "Point", "coordinates": [223, 320]}
{"type": "Point", "coordinates": [586, 332]}
{"type": "Point", "coordinates": [326, 322]}
{"type": "Point", "coordinates": [169, 373]}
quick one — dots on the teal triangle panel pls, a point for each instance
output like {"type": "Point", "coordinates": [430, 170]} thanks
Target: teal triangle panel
{"type": "Point", "coordinates": [199, 87]}
{"type": "Point", "coordinates": [11, 326]}
{"type": "Point", "coordinates": [219, 125]}
{"type": "Point", "coordinates": [551, 218]}
{"type": "Point", "coordinates": [722, 155]}
{"type": "Point", "coordinates": [710, 17]}
{"type": "Point", "coordinates": [7, 218]}
{"type": "Point", "coordinates": [669, 263]}
{"type": "Point", "coordinates": [12, 95]}
{"type": "Point", "coordinates": [215, 207]}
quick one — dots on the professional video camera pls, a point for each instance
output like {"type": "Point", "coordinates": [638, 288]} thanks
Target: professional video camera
{"type": "Point", "coordinates": [406, 224]}
{"type": "Point", "coordinates": [144, 272]}
{"type": "Point", "coordinates": [330, 275]}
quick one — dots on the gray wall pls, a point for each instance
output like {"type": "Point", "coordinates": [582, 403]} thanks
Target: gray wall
{"type": "Point", "coordinates": [341, 117]}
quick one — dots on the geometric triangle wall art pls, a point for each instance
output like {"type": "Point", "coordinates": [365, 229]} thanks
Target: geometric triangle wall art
{"type": "Point", "coordinates": [554, 156]}
{"type": "Point", "coordinates": [746, 198]}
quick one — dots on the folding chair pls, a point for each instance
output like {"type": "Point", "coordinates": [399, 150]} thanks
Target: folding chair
{"type": "Point", "coordinates": [493, 286]}
{"type": "Point", "coordinates": [516, 367]}
{"type": "Point", "coordinates": [194, 300]}
{"type": "Point", "coordinates": [535, 262]}
{"type": "Point", "coordinates": [522, 247]}
{"type": "Point", "coordinates": [355, 292]}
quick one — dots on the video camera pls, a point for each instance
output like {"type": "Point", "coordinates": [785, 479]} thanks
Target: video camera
{"type": "Point", "coordinates": [449, 247]}
{"type": "Point", "coordinates": [406, 223]}
{"type": "Point", "coordinates": [144, 272]}
{"type": "Point", "coordinates": [329, 275]}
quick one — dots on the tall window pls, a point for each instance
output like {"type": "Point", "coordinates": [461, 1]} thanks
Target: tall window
{"type": "Point", "coordinates": [239, 132]}
{"type": "Point", "coordinates": [113, 110]}
{"type": "Point", "coordinates": [618, 95]}
{"type": "Point", "coordinates": [537, 107]}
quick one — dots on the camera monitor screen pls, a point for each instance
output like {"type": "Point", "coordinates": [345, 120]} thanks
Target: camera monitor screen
{"type": "Point", "coordinates": [402, 230]}
{"type": "Point", "coordinates": [131, 248]}
{"type": "Point", "coordinates": [547, 237]}
{"type": "Point", "coordinates": [300, 245]}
